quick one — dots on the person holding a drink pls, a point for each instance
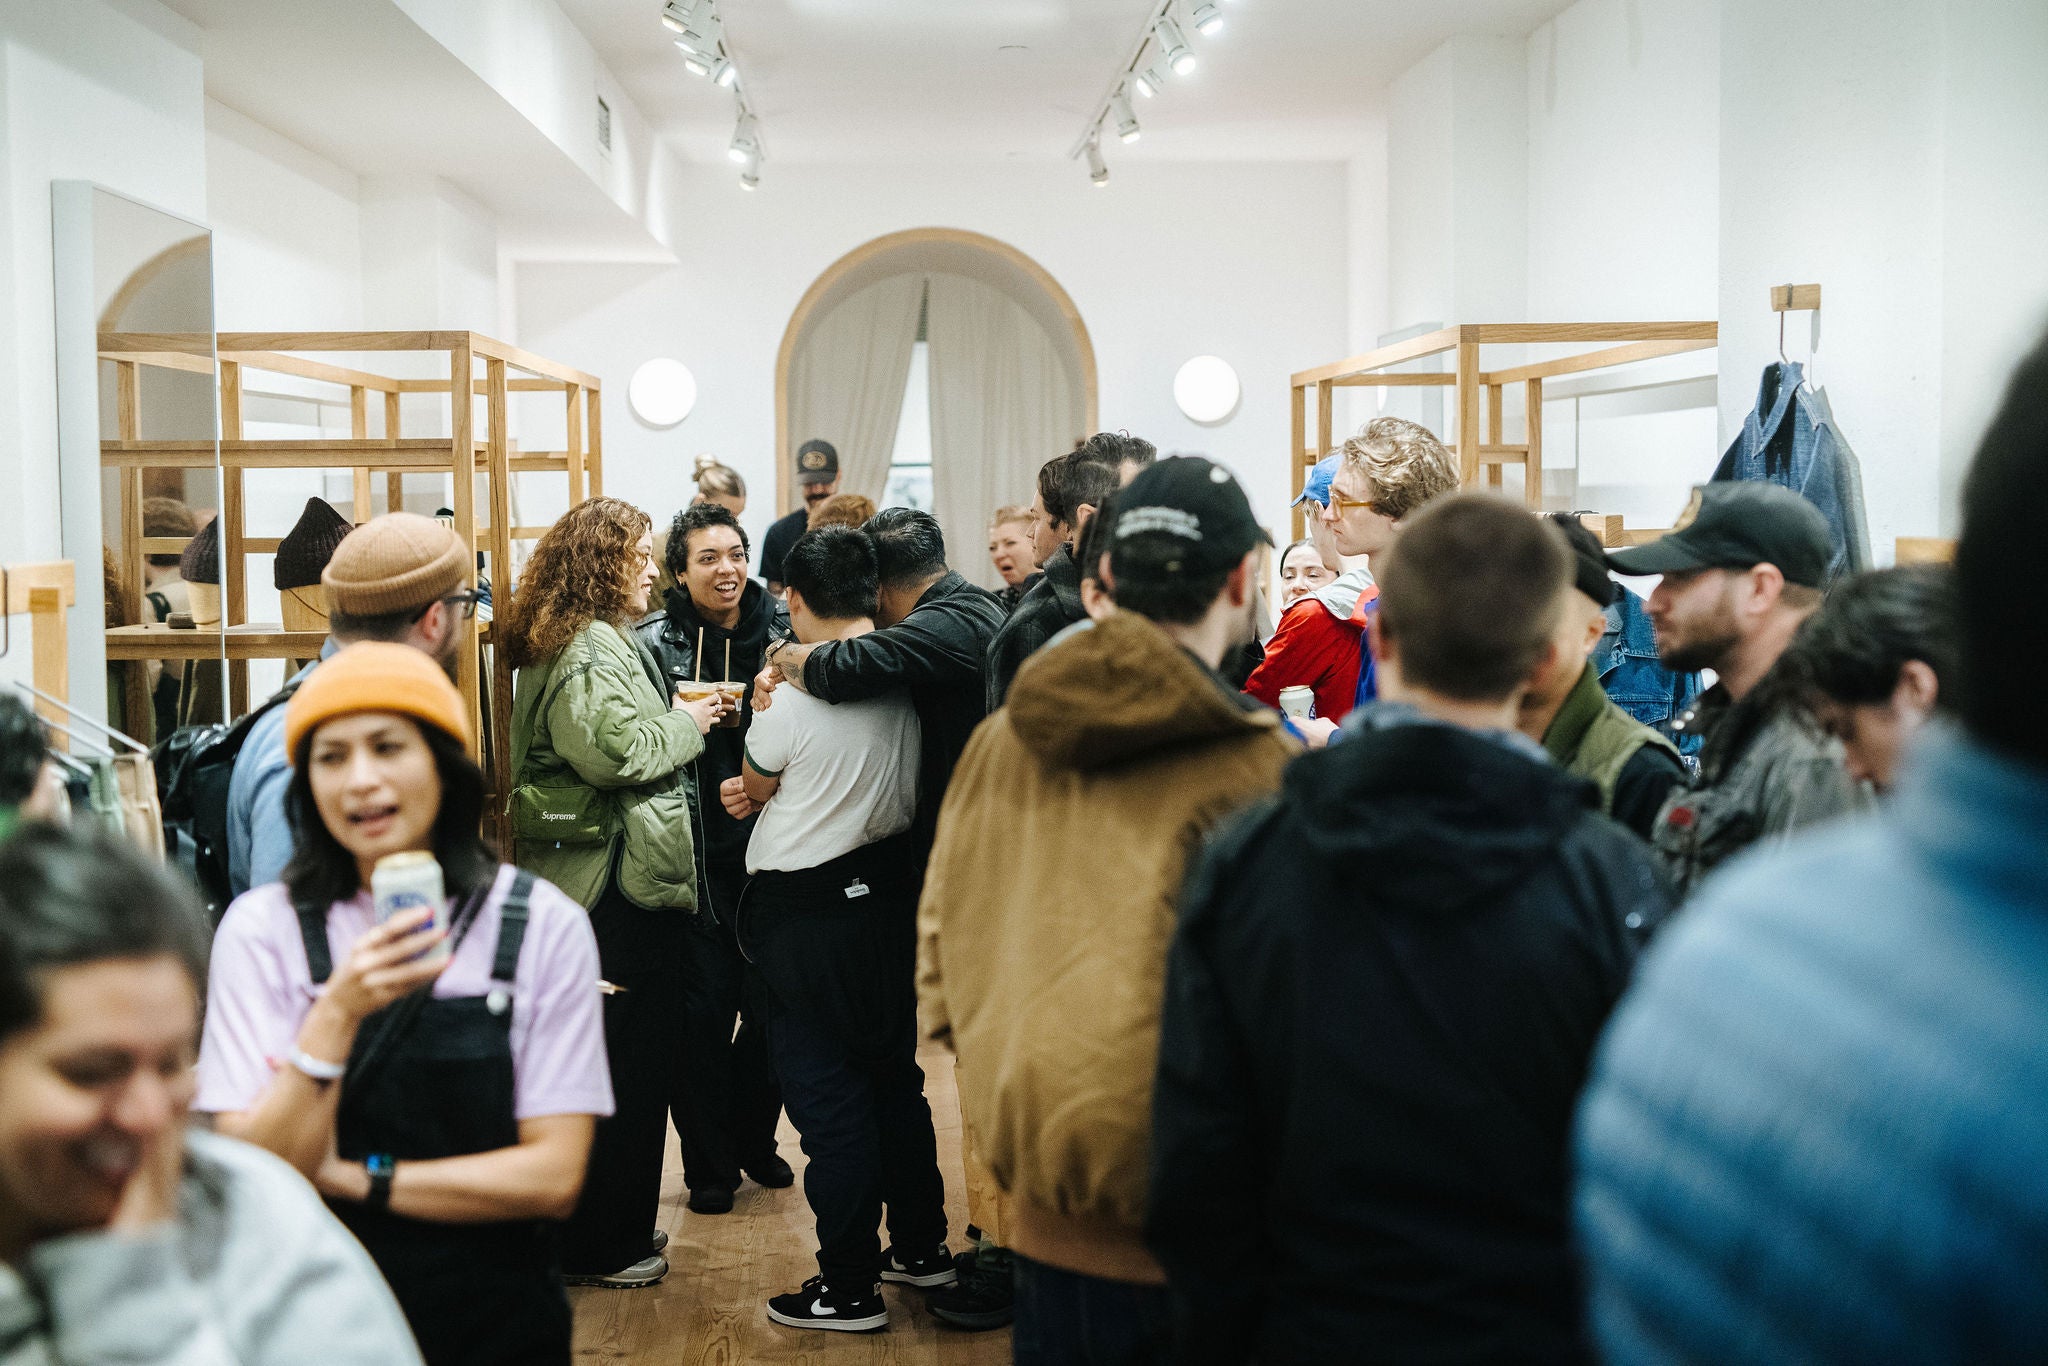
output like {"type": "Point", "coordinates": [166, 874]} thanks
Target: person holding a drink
{"type": "Point", "coordinates": [601, 752]}
{"type": "Point", "coordinates": [412, 1024]}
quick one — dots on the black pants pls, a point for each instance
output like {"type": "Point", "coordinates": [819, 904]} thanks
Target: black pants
{"type": "Point", "coordinates": [641, 951]}
{"type": "Point", "coordinates": [727, 1103]}
{"type": "Point", "coordinates": [843, 1032]}
{"type": "Point", "coordinates": [1067, 1319]}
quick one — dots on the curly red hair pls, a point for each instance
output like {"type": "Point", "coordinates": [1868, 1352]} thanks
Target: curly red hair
{"type": "Point", "coordinates": [583, 569]}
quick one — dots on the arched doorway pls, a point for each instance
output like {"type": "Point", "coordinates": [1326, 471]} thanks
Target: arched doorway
{"type": "Point", "coordinates": [1013, 370]}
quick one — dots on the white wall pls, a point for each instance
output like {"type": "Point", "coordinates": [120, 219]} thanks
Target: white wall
{"type": "Point", "coordinates": [1168, 262]}
{"type": "Point", "coordinates": [88, 91]}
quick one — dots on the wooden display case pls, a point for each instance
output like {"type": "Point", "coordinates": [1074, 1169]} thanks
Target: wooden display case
{"type": "Point", "coordinates": [475, 365]}
{"type": "Point", "coordinates": [1483, 449]}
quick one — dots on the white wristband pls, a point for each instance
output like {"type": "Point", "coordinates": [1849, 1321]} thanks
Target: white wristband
{"type": "Point", "coordinates": [315, 1068]}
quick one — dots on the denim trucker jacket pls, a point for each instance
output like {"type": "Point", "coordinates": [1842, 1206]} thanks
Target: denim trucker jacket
{"type": "Point", "coordinates": [1790, 439]}
{"type": "Point", "coordinates": [1630, 672]}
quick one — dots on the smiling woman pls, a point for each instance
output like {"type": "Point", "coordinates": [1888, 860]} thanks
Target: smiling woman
{"type": "Point", "coordinates": [120, 1230]}
{"type": "Point", "coordinates": [446, 1128]}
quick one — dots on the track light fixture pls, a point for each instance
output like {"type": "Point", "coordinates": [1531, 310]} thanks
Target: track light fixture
{"type": "Point", "coordinates": [723, 72]}
{"type": "Point", "coordinates": [1207, 19]}
{"type": "Point", "coordinates": [694, 62]}
{"type": "Point", "coordinates": [1098, 169]}
{"type": "Point", "coordinates": [1126, 121]}
{"type": "Point", "coordinates": [1149, 81]}
{"type": "Point", "coordinates": [746, 140]}
{"type": "Point", "coordinates": [676, 14]}
{"type": "Point", "coordinates": [1174, 44]}
{"type": "Point", "coordinates": [750, 172]}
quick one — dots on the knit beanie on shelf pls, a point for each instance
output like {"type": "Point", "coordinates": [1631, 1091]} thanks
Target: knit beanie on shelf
{"type": "Point", "coordinates": [394, 563]}
{"type": "Point", "coordinates": [306, 549]}
{"type": "Point", "coordinates": [200, 562]}
{"type": "Point", "coordinates": [375, 675]}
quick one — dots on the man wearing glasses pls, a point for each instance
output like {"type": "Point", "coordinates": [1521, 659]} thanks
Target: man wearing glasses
{"type": "Point", "coordinates": [397, 578]}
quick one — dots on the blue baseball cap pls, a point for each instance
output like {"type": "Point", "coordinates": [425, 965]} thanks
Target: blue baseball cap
{"type": "Point", "coordinates": [1317, 486]}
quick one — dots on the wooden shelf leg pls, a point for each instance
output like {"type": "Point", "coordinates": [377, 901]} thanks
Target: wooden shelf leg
{"type": "Point", "coordinates": [462, 472]}
{"type": "Point", "coordinates": [1298, 404]}
{"type": "Point", "coordinates": [1532, 468]}
{"type": "Point", "coordinates": [1495, 474]}
{"type": "Point", "coordinates": [1468, 414]}
{"type": "Point", "coordinates": [499, 487]}
{"type": "Point", "coordinates": [233, 532]}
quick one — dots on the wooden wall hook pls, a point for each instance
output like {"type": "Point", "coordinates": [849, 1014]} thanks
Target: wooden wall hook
{"type": "Point", "coordinates": [1794, 298]}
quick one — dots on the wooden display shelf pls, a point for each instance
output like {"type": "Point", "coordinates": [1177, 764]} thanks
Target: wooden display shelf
{"type": "Point", "coordinates": [254, 640]}
{"type": "Point", "coordinates": [1481, 448]}
{"type": "Point", "coordinates": [475, 445]}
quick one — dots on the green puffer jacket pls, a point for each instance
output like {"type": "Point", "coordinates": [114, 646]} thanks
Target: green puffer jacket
{"type": "Point", "coordinates": [598, 715]}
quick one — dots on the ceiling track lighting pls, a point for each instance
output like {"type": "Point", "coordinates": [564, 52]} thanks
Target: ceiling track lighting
{"type": "Point", "coordinates": [746, 140]}
{"type": "Point", "coordinates": [750, 172]}
{"type": "Point", "coordinates": [1149, 81]}
{"type": "Point", "coordinates": [1098, 169]}
{"type": "Point", "coordinates": [1126, 121]}
{"type": "Point", "coordinates": [1207, 19]}
{"type": "Point", "coordinates": [694, 62]}
{"type": "Point", "coordinates": [676, 14]}
{"type": "Point", "coordinates": [723, 72]}
{"type": "Point", "coordinates": [1174, 44]}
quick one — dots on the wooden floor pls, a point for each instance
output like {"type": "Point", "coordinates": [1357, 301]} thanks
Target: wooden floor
{"type": "Point", "coordinates": [722, 1269]}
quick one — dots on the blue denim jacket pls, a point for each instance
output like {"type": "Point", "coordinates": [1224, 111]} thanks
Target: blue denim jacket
{"type": "Point", "coordinates": [1790, 439]}
{"type": "Point", "coordinates": [1626, 660]}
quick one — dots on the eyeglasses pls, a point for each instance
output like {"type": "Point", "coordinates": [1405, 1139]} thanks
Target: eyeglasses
{"type": "Point", "coordinates": [1341, 505]}
{"type": "Point", "coordinates": [465, 602]}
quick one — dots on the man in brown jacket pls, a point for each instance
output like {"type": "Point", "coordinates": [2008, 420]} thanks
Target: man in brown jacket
{"type": "Point", "coordinates": [1050, 902]}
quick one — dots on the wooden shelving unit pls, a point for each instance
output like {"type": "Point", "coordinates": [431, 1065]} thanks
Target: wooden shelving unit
{"type": "Point", "coordinates": [1484, 449]}
{"type": "Point", "coordinates": [475, 365]}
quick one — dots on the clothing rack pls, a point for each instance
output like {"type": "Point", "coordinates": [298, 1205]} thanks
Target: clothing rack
{"type": "Point", "coordinates": [43, 593]}
{"type": "Point", "coordinates": [1482, 448]}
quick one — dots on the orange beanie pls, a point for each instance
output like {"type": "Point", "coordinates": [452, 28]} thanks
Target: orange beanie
{"type": "Point", "coordinates": [375, 676]}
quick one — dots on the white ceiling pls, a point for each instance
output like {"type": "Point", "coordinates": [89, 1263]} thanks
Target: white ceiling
{"type": "Point", "coordinates": [866, 80]}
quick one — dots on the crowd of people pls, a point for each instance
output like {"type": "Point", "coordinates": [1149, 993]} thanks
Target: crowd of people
{"type": "Point", "coordinates": [1483, 962]}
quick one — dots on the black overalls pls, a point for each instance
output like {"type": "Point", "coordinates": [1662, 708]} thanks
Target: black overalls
{"type": "Point", "coordinates": [439, 1084]}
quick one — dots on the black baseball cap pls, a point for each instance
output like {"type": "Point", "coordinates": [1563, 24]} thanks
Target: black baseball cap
{"type": "Point", "coordinates": [1589, 562]}
{"type": "Point", "coordinates": [1738, 525]}
{"type": "Point", "coordinates": [817, 462]}
{"type": "Point", "coordinates": [1194, 500]}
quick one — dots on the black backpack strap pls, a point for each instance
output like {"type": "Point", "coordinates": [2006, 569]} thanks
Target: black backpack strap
{"type": "Point", "coordinates": [161, 604]}
{"type": "Point", "coordinates": [512, 917]}
{"type": "Point", "coordinates": [313, 931]}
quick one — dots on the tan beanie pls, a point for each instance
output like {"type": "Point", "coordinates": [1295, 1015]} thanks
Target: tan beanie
{"type": "Point", "coordinates": [394, 563]}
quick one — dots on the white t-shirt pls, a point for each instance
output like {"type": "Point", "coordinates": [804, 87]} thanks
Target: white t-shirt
{"type": "Point", "coordinates": [849, 777]}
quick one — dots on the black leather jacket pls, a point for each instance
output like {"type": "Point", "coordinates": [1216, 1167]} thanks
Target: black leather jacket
{"type": "Point", "coordinates": [672, 634]}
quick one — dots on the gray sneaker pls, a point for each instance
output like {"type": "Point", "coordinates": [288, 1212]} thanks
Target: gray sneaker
{"type": "Point", "coordinates": [646, 1271]}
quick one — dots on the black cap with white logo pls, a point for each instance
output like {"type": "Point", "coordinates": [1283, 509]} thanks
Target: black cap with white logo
{"type": "Point", "coordinates": [1193, 500]}
{"type": "Point", "coordinates": [817, 462]}
{"type": "Point", "coordinates": [1738, 525]}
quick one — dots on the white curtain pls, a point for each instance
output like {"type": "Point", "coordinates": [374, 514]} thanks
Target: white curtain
{"type": "Point", "coordinates": [1003, 403]}
{"type": "Point", "coordinates": [847, 376]}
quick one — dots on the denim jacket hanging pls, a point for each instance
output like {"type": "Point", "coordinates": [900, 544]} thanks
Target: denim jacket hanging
{"type": "Point", "coordinates": [1630, 672]}
{"type": "Point", "coordinates": [1790, 439]}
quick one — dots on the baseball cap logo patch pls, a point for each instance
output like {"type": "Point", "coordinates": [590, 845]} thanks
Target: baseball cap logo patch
{"type": "Point", "coordinates": [813, 460]}
{"type": "Point", "coordinates": [1171, 521]}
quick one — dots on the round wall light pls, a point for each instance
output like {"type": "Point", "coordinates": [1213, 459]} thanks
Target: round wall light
{"type": "Point", "coordinates": [662, 392]}
{"type": "Point", "coordinates": [1207, 390]}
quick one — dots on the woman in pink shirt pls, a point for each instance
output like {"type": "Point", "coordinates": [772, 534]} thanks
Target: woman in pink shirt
{"type": "Point", "coordinates": [443, 1105]}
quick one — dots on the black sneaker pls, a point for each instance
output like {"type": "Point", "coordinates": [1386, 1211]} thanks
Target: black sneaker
{"type": "Point", "coordinates": [710, 1200]}
{"type": "Point", "coordinates": [929, 1272]}
{"type": "Point", "coordinates": [818, 1305]}
{"type": "Point", "coordinates": [770, 1171]}
{"type": "Point", "coordinates": [985, 1297]}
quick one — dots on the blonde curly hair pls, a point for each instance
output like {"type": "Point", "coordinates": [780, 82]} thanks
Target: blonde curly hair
{"type": "Point", "coordinates": [584, 569]}
{"type": "Point", "coordinates": [1405, 463]}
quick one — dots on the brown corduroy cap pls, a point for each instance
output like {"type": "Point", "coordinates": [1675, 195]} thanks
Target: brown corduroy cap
{"type": "Point", "coordinates": [394, 563]}
{"type": "Point", "coordinates": [304, 552]}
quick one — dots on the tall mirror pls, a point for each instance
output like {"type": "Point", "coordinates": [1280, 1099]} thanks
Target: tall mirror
{"type": "Point", "coordinates": [140, 455]}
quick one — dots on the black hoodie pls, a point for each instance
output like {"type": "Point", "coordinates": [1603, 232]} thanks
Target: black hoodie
{"type": "Point", "coordinates": [1048, 607]}
{"type": "Point", "coordinates": [1380, 1008]}
{"type": "Point", "coordinates": [672, 636]}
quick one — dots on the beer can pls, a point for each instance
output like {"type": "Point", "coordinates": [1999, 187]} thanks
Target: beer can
{"type": "Point", "coordinates": [406, 882]}
{"type": "Point", "coordinates": [1298, 701]}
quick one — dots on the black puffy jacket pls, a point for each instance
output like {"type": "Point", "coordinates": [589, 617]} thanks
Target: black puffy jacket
{"type": "Point", "coordinates": [1381, 1004]}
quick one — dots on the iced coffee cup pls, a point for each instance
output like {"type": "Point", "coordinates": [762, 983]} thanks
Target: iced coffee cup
{"type": "Point", "coordinates": [695, 690]}
{"type": "Point", "coordinates": [735, 693]}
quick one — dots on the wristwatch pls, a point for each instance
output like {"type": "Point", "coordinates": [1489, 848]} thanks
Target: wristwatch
{"type": "Point", "coordinates": [380, 1166]}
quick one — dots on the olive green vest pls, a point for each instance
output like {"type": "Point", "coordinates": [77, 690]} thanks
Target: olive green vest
{"type": "Point", "coordinates": [1593, 738]}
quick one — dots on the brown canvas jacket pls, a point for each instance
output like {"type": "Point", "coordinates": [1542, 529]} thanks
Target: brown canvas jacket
{"type": "Point", "coordinates": [1047, 911]}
